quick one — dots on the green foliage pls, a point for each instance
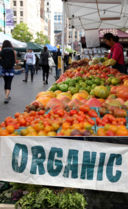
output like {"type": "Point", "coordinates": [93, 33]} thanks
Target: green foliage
{"type": "Point", "coordinates": [41, 39]}
{"type": "Point", "coordinates": [72, 200]}
{"type": "Point", "coordinates": [27, 201]}
{"type": "Point", "coordinates": [21, 32]}
{"type": "Point", "coordinates": [26, 187]}
{"type": "Point", "coordinates": [46, 198]}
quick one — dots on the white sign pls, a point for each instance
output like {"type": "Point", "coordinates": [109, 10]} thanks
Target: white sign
{"type": "Point", "coordinates": [92, 38]}
{"type": "Point", "coordinates": [64, 163]}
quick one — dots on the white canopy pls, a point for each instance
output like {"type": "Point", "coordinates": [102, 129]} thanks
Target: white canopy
{"type": "Point", "coordinates": [15, 43]}
{"type": "Point", "coordinates": [95, 14]}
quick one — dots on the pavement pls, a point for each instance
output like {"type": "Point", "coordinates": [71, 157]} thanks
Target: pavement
{"type": "Point", "coordinates": [22, 93]}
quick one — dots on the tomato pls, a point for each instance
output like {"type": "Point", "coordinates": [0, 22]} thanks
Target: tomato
{"type": "Point", "coordinates": [92, 113]}
{"type": "Point", "coordinates": [17, 115]}
{"type": "Point", "coordinates": [73, 112]}
{"type": "Point", "coordinates": [110, 133]}
{"type": "Point", "coordinates": [92, 122]}
{"type": "Point", "coordinates": [10, 129]}
{"type": "Point", "coordinates": [84, 108]}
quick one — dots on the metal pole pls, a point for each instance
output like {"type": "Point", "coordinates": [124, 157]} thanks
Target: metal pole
{"type": "Point", "coordinates": [63, 35]}
{"type": "Point", "coordinates": [72, 36]}
{"type": "Point", "coordinates": [4, 16]}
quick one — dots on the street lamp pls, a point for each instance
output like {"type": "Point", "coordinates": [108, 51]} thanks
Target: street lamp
{"type": "Point", "coordinates": [4, 14]}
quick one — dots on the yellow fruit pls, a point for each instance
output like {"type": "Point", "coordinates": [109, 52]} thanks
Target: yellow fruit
{"type": "Point", "coordinates": [24, 132]}
{"type": "Point", "coordinates": [61, 95]}
{"type": "Point", "coordinates": [55, 126]}
{"type": "Point", "coordinates": [52, 133]}
{"type": "Point", "coordinates": [42, 133]}
{"type": "Point", "coordinates": [82, 95]}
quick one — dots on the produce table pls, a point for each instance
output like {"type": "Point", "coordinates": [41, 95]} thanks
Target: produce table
{"type": "Point", "coordinates": [82, 129]}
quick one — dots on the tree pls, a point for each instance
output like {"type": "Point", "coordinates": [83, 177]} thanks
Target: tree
{"type": "Point", "coordinates": [21, 33]}
{"type": "Point", "coordinates": [41, 38]}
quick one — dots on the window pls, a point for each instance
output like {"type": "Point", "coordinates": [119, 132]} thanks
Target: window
{"type": "Point", "coordinates": [55, 17]}
{"type": "Point", "coordinates": [15, 13]}
{"type": "Point", "coordinates": [21, 3]}
{"type": "Point", "coordinates": [47, 3]}
{"type": "Point", "coordinates": [75, 34]}
{"type": "Point", "coordinates": [14, 3]}
{"type": "Point", "coordinates": [21, 20]}
{"type": "Point", "coordinates": [21, 13]}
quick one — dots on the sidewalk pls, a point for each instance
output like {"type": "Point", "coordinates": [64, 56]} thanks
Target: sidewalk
{"type": "Point", "coordinates": [22, 93]}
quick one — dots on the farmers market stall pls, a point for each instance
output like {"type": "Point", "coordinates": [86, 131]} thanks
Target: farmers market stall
{"type": "Point", "coordinates": [58, 136]}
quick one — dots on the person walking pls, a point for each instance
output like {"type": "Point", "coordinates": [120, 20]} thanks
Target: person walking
{"type": "Point", "coordinates": [45, 64]}
{"type": "Point", "coordinates": [30, 62]}
{"type": "Point", "coordinates": [7, 61]}
{"type": "Point", "coordinates": [57, 60]}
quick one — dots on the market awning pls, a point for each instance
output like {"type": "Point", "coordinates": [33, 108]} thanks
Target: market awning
{"type": "Point", "coordinates": [34, 46]}
{"type": "Point", "coordinates": [95, 14]}
{"type": "Point", "coordinates": [15, 43]}
{"type": "Point", "coordinates": [51, 48]}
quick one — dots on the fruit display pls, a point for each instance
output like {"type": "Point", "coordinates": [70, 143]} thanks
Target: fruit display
{"type": "Point", "coordinates": [84, 101]}
{"type": "Point", "coordinates": [79, 63]}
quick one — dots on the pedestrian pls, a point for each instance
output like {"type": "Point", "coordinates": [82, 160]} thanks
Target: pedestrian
{"type": "Point", "coordinates": [57, 59]}
{"type": "Point", "coordinates": [7, 61]}
{"type": "Point", "coordinates": [116, 55]}
{"type": "Point", "coordinates": [37, 63]}
{"type": "Point", "coordinates": [44, 62]}
{"type": "Point", "coordinates": [30, 62]}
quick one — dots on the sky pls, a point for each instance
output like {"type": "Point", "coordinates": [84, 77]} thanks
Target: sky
{"type": "Point", "coordinates": [57, 5]}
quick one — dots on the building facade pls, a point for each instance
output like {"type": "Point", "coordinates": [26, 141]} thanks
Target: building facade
{"type": "Point", "coordinates": [58, 27]}
{"type": "Point", "coordinates": [27, 11]}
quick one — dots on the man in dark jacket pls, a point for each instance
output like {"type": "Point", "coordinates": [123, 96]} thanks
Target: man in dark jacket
{"type": "Point", "coordinates": [45, 64]}
{"type": "Point", "coordinates": [56, 58]}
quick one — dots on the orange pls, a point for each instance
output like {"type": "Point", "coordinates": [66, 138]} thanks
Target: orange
{"type": "Point", "coordinates": [101, 132]}
{"type": "Point", "coordinates": [76, 126]}
{"type": "Point", "coordinates": [65, 125]}
{"type": "Point", "coordinates": [122, 132]}
{"type": "Point", "coordinates": [4, 132]}
{"type": "Point", "coordinates": [48, 128]}
{"type": "Point", "coordinates": [113, 128]}
{"type": "Point", "coordinates": [10, 129]}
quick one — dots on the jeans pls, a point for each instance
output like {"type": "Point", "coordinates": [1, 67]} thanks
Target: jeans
{"type": "Point", "coordinates": [58, 71]}
{"type": "Point", "coordinates": [29, 67]}
{"type": "Point", "coordinates": [45, 69]}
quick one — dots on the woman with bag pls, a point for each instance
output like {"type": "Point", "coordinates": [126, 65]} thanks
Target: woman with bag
{"type": "Point", "coordinates": [44, 62]}
{"type": "Point", "coordinates": [7, 61]}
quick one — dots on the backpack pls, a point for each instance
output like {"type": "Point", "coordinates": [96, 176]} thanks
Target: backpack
{"type": "Point", "coordinates": [7, 58]}
{"type": "Point", "coordinates": [44, 58]}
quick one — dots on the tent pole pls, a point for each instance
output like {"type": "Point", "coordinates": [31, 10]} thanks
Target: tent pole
{"type": "Point", "coordinates": [63, 34]}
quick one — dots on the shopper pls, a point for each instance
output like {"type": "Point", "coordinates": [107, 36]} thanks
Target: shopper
{"type": "Point", "coordinates": [116, 53]}
{"type": "Point", "coordinates": [7, 61]}
{"type": "Point", "coordinates": [57, 60]}
{"type": "Point", "coordinates": [37, 66]}
{"type": "Point", "coordinates": [45, 64]}
{"type": "Point", "coordinates": [30, 62]}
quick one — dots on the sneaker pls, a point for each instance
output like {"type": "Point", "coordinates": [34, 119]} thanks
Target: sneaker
{"type": "Point", "coordinates": [46, 82]}
{"type": "Point", "coordinates": [25, 81]}
{"type": "Point", "coordinates": [6, 101]}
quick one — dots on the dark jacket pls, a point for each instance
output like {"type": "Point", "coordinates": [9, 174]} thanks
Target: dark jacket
{"type": "Point", "coordinates": [44, 58]}
{"type": "Point", "coordinates": [56, 57]}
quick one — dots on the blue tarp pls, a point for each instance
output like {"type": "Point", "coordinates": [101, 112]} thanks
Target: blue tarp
{"type": "Point", "coordinates": [51, 48]}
